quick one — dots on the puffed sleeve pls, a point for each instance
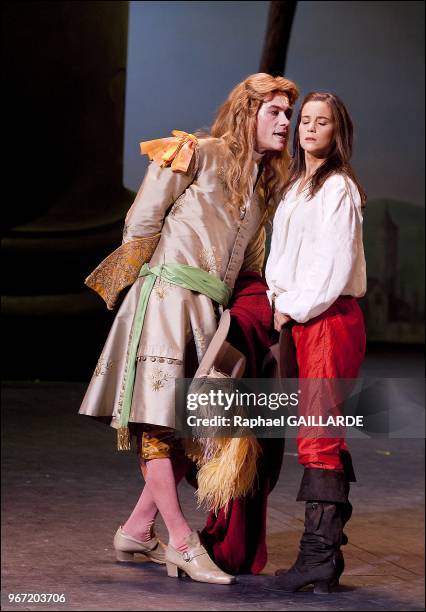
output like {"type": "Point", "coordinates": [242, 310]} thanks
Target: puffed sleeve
{"type": "Point", "coordinates": [172, 171]}
{"type": "Point", "coordinates": [334, 255]}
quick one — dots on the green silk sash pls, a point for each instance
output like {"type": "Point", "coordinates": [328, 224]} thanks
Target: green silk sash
{"type": "Point", "coordinates": [188, 277]}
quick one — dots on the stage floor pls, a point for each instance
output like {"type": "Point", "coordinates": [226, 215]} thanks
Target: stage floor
{"type": "Point", "coordinates": [65, 491]}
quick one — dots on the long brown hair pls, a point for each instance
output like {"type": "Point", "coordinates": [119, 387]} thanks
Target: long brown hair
{"type": "Point", "coordinates": [236, 123]}
{"type": "Point", "coordinates": [338, 160]}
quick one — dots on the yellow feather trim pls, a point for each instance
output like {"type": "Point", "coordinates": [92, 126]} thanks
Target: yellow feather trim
{"type": "Point", "coordinates": [229, 472]}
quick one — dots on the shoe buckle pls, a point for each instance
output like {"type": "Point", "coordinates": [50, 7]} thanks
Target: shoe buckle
{"type": "Point", "coordinates": [186, 557]}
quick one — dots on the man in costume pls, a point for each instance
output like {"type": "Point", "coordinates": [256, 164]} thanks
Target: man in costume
{"type": "Point", "coordinates": [196, 219]}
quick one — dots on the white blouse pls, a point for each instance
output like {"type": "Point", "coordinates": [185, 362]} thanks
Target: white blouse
{"type": "Point", "coordinates": [316, 249]}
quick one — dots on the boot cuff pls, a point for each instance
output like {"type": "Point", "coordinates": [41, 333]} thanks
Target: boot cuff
{"type": "Point", "coordinates": [348, 468]}
{"type": "Point", "coordinates": [323, 485]}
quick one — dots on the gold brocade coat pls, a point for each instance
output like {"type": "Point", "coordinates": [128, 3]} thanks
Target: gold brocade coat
{"type": "Point", "coordinates": [183, 217]}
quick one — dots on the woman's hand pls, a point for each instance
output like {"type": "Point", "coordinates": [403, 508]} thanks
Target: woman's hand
{"type": "Point", "coordinates": [280, 319]}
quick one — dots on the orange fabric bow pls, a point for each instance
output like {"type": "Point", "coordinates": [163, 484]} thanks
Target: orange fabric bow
{"type": "Point", "coordinates": [176, 152]}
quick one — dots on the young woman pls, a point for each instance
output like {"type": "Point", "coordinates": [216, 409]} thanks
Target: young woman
{"type": "Point", "coordinates": [315, 273]}
{"type": "Point", "coordinates": [197, 219]}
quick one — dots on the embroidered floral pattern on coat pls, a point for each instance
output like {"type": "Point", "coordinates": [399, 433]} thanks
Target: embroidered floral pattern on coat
{"type": "Point", "coordinates": [102, 366]}
{"type": "Point", "coordinates": [159, 378]}
{"type": "Point", "coordinates": [209, 261]}
{"type": "Point", "coordinates": [200, 342]}
{"type": "Point", "coordinates": [162, 288]}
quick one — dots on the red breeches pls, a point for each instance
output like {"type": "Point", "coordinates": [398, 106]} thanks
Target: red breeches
{"type": "Point", "coordinates": [329, 346]}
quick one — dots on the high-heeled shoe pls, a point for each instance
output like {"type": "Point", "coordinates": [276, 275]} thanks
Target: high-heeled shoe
{"type": "Point", "coordinates": [195, 562]}
{"type": "Point", "coordinates": [126, 546]}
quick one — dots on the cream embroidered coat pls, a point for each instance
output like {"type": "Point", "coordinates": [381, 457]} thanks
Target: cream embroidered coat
{"type": "Point", "coordinates": [198, 228]}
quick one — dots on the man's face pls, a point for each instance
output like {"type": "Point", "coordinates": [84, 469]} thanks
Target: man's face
{"type": "Point", "coordinates": [273, 120]}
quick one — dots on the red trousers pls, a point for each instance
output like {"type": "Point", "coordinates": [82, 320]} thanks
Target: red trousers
{"type": "Point", "coordinates": [329, 346]}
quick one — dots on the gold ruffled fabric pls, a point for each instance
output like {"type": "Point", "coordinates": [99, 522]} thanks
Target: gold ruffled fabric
{"type": "Point", "coordinates": [121, 268]}
{"type": "Point", "coordinates": [176, 152]}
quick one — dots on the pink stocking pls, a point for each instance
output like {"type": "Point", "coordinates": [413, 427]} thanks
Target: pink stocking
{"type": "Point", "coordinates": [139, 523]}
{"type": "Point", "coordinates": [160, 493]}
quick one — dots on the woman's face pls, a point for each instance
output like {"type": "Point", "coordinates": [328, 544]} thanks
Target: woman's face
{"type": "Point", "coordinates": [316, 128]}
{"type": "Point", "coordinates": [273, 120]}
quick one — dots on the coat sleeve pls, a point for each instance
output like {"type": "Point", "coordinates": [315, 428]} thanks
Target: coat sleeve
{"type": "Point", "coordinates": [334, 255]}
{"type": "Point", "coordinates": [160, 189]}
{"type": "Point", "coordinates": [142, 229]}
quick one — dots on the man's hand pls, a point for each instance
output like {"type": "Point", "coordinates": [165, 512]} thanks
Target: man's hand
{"type": "Point", "coordinates": [280, 319]}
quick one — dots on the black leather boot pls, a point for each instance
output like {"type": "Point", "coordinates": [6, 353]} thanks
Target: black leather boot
{"type": "Point", "coordinates": [320, 561]}
{"type": "Point", "coordinates": [346, 513]}
{"type": "Point", "coordinates": [345, 509]}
